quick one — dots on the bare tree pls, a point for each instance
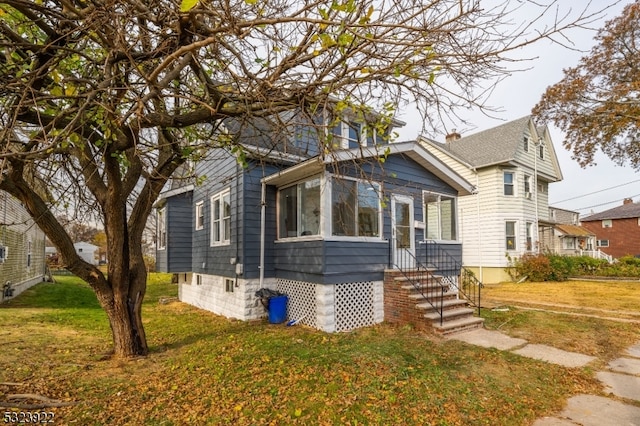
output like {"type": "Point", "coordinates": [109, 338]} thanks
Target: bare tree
{"type": "Point", "coordinates": [103, 101]}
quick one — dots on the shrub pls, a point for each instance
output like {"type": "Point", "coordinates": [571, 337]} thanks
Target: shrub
{"type": "Point", "coordinates": [532, 267]}
{"type": "Point", "coordinates": [553, 267]}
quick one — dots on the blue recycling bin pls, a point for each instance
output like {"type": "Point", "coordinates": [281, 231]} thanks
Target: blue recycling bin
{"type": "Point", "coordinates": [278, 309]}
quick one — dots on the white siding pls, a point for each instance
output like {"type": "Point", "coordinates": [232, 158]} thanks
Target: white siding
{"type": "Point", "coordinates": [24, 264]}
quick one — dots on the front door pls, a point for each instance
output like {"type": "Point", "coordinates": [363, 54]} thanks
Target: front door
{"type": "Point", "coordinates": [403, 233]}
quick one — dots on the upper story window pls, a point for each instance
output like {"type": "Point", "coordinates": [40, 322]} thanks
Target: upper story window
{"type": "Point", "coordinates": [221, 218]}
{"type": "Point", "coordinates": [541, 151]}
{"type": "Point", "coordinates": [350, 135]}
{"type": "Point", "coordinates": [299, 209]}
{"type": "Point", "coordinates": [200, 215]}
{"type": "Point", "coordinates": [440, 217]}
{"type": "Point", "coordinates": [355, 208]}
{"type": "Point", "coordinates": [525, 143]}
{"type": "Point", "coordinates": [542, 187]}
{"type": "Point", "coordinates": [161, 229]}
{"type": "Point", "coordinates": [347, 135]}
{"type": "Point", "coordinates": [607, 223]}
{"type": "Point", "coordinates": [509, 180]}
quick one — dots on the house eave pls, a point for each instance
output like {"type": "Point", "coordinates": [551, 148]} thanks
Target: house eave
{"type": "Point", "coordinates": [412, 149]}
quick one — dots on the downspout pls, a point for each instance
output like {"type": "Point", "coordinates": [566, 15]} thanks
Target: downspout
{"type": "Point", "coordinates": [263, 207]}
{"type": "Point", "coordinates": [478, 227]}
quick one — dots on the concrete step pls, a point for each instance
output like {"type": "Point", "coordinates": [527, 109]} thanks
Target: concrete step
{"type": "Point", "coordinates": [424, 286]}
{"type": "Point", "coordinates": [458, 326]}
{"type": "Point", "coordinates": [449, 314]}
{"type": "Point", "coordinates": [447, 302]}
{"type": "Point", "coordinates": [433, 295]}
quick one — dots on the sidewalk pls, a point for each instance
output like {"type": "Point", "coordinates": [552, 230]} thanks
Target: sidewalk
{"type": "Point", "coordinates": [621, 379]}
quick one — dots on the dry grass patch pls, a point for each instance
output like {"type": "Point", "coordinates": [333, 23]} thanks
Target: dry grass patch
{"type": "Point", "coordinates": [204, 369]}
{"type": "Point", "coordinates": [595, 318]}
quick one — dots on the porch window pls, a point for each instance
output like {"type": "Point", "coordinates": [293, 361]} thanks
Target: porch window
{"type": "Point", "coordinates": [510, 232]}
{"type": "Point", "coordinates": [569, 243]}
{"type": "Point", "coordinates": [161, 230]}
{"type": "Point", "coordinates": [299, 209]}
{"type": "Point", "coordinates": [199, 215]}
{"type": "Point", "coordinates": [508, 183]}
{"type": "Point", "coordinates": [440, 217]}
{"type": "Point", "coordinates": [355, 208]}
{"type": "Point", "coordinates": [221, 218]}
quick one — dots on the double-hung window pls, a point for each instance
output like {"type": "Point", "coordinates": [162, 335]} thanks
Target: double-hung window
{"type": "Point", "coordinates": [355, 208]}
{"type": "Point", "coordinates": [510, 234]}
{"type": "Point", "coordinates": [199, 215]}
{"type": "Point", "coordinates": [161, 229]}
{"type": "Point", "coordinates": [527, 185]}
{"type": "Point", "coordinates": [221, 218]}
{"type": "Point", "coordinates": [529, 231]}
{"type": "Point", "coordinates": [299, 209]}
{"type": "Point", "coordinates": [347, 134]}
{"type": "Point", "coordinates": [440, 217]}
{"type": "Point", "coordinates": [509, 179]}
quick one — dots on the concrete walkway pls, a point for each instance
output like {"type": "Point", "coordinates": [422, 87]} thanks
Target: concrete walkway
{"type": "Point", "coordinates": [621, 380]}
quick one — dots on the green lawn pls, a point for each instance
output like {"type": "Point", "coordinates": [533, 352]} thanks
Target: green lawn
{"type": "Point", "coordinates": [205, 369]}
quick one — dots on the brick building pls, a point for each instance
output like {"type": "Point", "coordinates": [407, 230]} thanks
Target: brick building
{"type": "Point", "coordinates": [617, 230]}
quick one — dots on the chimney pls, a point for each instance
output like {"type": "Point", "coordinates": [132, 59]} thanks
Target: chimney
{"type": "Point", "coordinates": [453, 136]}
{"type": "Point", "coordinates": [627, 201]}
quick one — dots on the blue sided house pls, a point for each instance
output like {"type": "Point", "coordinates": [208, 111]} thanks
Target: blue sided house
{"type": "Point", "coordinates": [340, 231]}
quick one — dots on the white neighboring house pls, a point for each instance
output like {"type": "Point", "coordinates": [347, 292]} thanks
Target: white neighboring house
{"type": "Point", "coordinates": [88, 252]}
{"type": "Point", "coordinates": [511, 166]}
{"type": "Point", "coordinates": [22, 260]}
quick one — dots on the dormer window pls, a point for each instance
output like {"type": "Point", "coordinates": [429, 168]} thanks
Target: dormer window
{"type": "Point", "coordinates": [525, 143]}
{"type": "Point", "coordinates": [351, 135]}
{"type": "Point", "coordinates": [541, 151]}
{"type": "Point", "coordinates": [347, 135]}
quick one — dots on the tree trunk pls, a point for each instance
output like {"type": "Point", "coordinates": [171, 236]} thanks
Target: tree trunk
{"type": "Point", "coordinates": [124, 311]}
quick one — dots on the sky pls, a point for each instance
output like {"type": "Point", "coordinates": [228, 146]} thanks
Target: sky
{"type": "Point", "coordinates": [589, 190]}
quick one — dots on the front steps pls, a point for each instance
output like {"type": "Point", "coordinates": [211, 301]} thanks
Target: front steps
{"type": "Point", "coordinates": [409, 302]}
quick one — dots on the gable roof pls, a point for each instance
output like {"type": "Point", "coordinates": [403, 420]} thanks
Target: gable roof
{"type": "Point", "coordinates": [411, 149]}
{"type": "Point", "coordinates": [489, 147]}
{"type": "Point", "coordinates": [500, 145]}
{"type": "Point", "coordinates": [625, 211]}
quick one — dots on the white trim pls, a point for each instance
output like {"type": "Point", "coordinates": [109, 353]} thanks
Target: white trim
{"type": "Point", "coordinates": [220, 225]}
{"type": "Point", "coordinates": [161, 228]}
{"type": "Point", "coordinates": [199, 212]}
{"type": "Point", "coordinates": [176, 191]}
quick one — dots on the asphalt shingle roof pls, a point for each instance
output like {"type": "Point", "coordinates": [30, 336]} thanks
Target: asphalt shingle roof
{"type": "Point", "coordinates": [573, 230]}
{"type": "Point", "coordinates": [492, 146]}
{"type": "Point", "coordinates": [625, 211]}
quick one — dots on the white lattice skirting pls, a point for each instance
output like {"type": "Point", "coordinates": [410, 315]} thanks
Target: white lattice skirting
{"type": "Point", "coordinates": [337, 307]}
{"type": "Point", "coordinates": [330, 308]}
